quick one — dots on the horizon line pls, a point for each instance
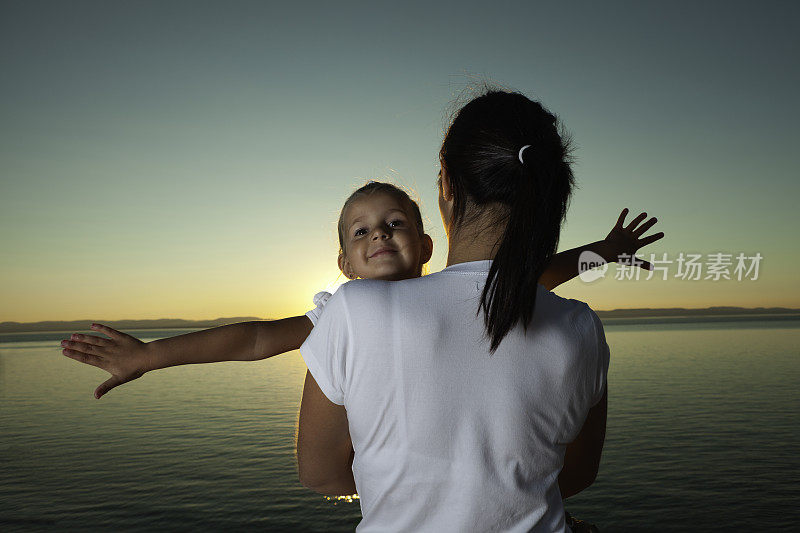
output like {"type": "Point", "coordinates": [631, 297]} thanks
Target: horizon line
{"type": "Point", "coordinates": [631, 312]}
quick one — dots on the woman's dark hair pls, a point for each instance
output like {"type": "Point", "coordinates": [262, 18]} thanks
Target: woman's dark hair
{"type": "Point", "coordinates": [480, 154]}
{"type": "Point", "coordinates": [373, 187]}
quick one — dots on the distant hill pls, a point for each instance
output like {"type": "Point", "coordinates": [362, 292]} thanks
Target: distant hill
{"type": "Point", "coordinates": [647, 312]}
{"type": "Point", "coordinates": [81, 325]}
{"type": "Point", "coordinates": [178, 323]}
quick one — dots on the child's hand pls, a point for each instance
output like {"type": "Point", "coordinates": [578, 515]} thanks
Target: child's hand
{"type": "Point", "coordinates": [626, 240]}
{"type": "Point", "coordinates": [123, 356]}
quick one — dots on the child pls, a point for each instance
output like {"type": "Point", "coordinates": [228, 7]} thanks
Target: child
{"type": "Point", "coordinates": [381, 236]}
{"type": "Point", "coordinates": [377, 212]}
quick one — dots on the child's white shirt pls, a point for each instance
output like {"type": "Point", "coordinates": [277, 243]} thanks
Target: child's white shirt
{"type": "Point", "coordinates": [320, 299]}
{"type": "Point", "coordinates": [446, 436]}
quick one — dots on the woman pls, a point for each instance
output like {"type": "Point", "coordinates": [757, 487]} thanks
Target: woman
{"type": "Point", "coordinates": [471, 399]}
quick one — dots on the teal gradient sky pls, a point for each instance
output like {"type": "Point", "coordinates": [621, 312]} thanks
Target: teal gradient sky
{"type": "Point", "coordinates": [189, 159]}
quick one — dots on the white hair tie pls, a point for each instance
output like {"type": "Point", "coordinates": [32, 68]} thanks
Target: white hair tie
{"type": "Point", "coordinates": [520, 153]}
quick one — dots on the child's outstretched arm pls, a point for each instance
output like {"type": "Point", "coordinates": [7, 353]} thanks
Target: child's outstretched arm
{"type": "Point", "coordinates": [620, 240]}
{"type": "Point", "coordinates": [127, 358]}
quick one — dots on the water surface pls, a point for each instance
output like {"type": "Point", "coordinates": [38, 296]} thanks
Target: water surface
{"type": "Point", "coordinates": [703, 433]}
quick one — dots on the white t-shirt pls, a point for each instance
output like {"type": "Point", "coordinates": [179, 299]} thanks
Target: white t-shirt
{"type": "Point", "coordinates": [320, 299]}
{"type": "Point", "coordinates": [446, 436]}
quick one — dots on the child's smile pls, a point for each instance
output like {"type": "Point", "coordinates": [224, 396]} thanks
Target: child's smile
{"type": "Point", "coordinates": [383, 251]}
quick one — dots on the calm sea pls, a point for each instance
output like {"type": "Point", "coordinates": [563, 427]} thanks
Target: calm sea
{"type": "Point", "coordinates": [703, 435]}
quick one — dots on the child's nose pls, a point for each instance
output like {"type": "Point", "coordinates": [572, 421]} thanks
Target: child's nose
{"type": "Point", "coordinates": [381, 232]}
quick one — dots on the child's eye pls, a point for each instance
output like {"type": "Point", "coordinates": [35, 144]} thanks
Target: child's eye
{"type": "Point", "coordinates": [395, 223]}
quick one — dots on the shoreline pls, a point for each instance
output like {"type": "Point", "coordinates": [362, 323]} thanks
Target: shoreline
{"type": "Point", "coordinates": [613, 317]}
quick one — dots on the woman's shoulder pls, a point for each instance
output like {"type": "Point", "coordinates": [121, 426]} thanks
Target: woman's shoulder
{"type": "Point", "coordinates": [559, 303]}
{"type": "Point", "coordinates": [570, 312]}
{"type": "Point", "coordinates": [358, 291]}
{"type": "Point", "coordinates": [355, 294]}
{"type": "Point", "coordinates": [374, 294]}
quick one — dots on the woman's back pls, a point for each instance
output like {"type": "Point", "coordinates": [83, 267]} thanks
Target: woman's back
{"type": "Point", "coordinates": [446, 436]}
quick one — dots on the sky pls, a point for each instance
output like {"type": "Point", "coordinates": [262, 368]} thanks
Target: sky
{"type": "Point", "coordinates": [189, 159]}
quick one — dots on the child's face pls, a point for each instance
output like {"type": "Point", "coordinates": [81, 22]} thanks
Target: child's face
{"type": "Point", "coordinates": [381, 240]}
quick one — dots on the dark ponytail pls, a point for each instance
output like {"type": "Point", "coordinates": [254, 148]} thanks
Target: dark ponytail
{"type": "Point", "coordinates": [480, 153]}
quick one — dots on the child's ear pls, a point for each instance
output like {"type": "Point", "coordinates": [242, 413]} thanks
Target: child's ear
{"type": "Point", "coordinates": [344, 266]}
{"type": "Point", "coordinates": [427, 248]}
